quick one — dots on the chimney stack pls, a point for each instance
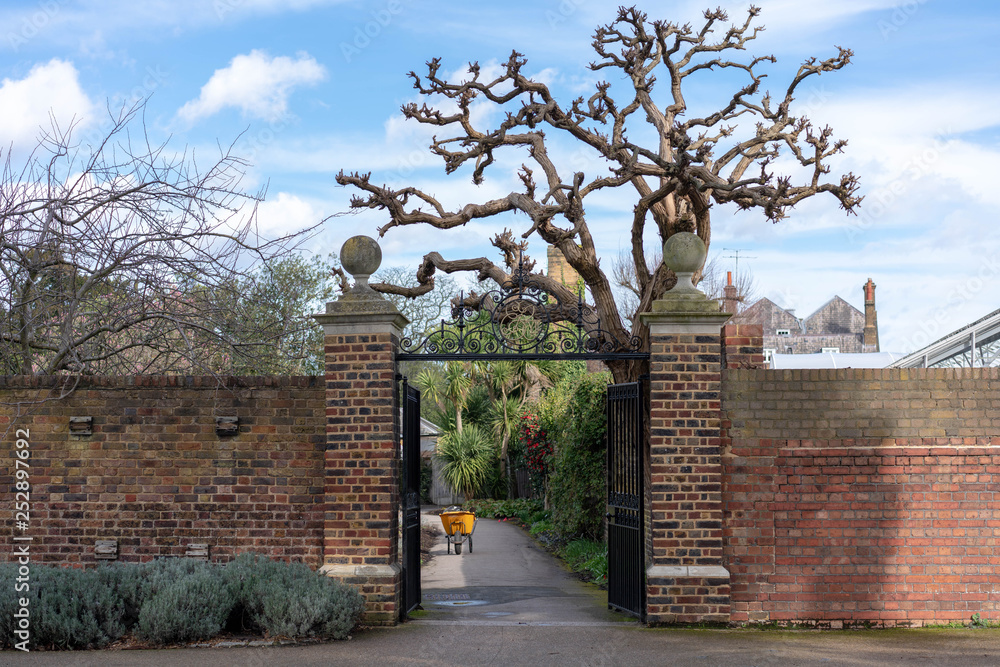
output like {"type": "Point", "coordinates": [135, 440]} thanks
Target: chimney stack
{"type": "Point", "coordinates": [870, 343]}
{"type": "Point", "coordinates": [560, 269]}
{"type": "Point", "coordinates": [730, 300]}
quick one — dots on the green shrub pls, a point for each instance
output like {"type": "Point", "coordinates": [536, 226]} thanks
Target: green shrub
{"type": "Point", "coordinates": [73, 608]}
{"type": "Point", "coordinates": [504, 509]}
{"type": "Point", "coordinates": [193, 606]}
{"type": "Point", "coordinates": [305, 603]}
{"type": "Point", "coordinates": [539, 515]}
{"type": "Point", "coordinates": [176, 600]}
{"type": "Point", "coordinates": [69, 608]}
{"type": "Point", "coordinates": [540, 527]}
{"type": "Point", "coordinates": [129, 584]}
{"type": "Point", "coordinates": [8, 603]}
{"type": "Point", "coordinates": [574, 417]}
{"type": "Point", "coordinates": [290, 600]}
{"type": "Point", "coordinates": [532, 449]}
{"type": "Point", "coordinates": [467, 457]}
{"type": "Point", "coordinates": [588, 557]}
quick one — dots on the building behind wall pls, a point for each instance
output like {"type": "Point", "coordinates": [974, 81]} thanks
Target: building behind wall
{"type": "Point", "coordinates": [837, 327]}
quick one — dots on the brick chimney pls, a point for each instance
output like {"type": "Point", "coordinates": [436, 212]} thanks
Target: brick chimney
{"type": "Point", "coordinates": [871, 319]}
{"type": "Point", "coordinates": [560, 269]}
{"type": "Point", "coordinates": [730, 300]}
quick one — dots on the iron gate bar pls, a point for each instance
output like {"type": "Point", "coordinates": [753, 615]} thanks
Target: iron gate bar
{"type": "Point", "coordinates": [525, 356]}
{"type": "Point", "coordinates": [626, 516]}
{"type": "Point", "coordinates": [411, 497]}
{"type": "Point", "coordinates": [519, 320]}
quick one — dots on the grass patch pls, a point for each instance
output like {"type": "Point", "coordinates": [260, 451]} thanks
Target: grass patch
{"type": "Point", "coordinates": [588, 558]}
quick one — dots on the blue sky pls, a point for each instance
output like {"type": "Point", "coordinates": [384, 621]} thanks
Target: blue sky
{"type": "Point", "coordinates": [306, 88]}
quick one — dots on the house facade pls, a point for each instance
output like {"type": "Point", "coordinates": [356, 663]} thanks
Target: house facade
{"type": "Point", "coordinates": [836, 327]}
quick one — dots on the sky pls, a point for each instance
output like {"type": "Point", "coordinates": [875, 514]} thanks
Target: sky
{"type": "Point", "coordinates": [305, 88]}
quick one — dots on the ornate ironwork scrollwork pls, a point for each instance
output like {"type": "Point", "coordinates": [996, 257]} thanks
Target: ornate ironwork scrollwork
{"type": "Point", "coordinates": [521, 319]}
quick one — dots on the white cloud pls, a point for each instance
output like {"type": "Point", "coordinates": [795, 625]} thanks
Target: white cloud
{"type": "Point", "coordinates": [26, 104]}
{"type": "Point", "coordinates": [286, 214]}
{"type": "Point", "coordinates": [255, 83]}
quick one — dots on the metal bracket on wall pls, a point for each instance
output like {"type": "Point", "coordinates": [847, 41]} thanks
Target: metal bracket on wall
{"type": "Point", "coordinates": [197, 551]}
{"type": "Point", "coordinates": [227, 426]}
{"type": "Point", "coordinates": [106, 550]}
{"type": "Point", "coordinates": [81, 426]}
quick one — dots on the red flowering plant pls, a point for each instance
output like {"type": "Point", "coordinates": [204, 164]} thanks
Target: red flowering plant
{"type": "Point", "coordinates": [535, 449]}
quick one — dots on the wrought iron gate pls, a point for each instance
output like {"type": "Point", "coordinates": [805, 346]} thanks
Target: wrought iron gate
{"type": "Point", "coordinates": [519, 320]}
{"type": "Point", "coordinates": [411, 497]}
{"type": "Point", "coordinates": [626, 551]}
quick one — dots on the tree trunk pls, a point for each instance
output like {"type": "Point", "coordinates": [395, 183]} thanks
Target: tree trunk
{"type": "Point", "coordinates": [628, 370]}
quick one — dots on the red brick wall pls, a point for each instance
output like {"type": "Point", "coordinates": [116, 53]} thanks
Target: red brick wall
{"type": "Point", "coordinates": [742, 346]}
{"type": "Point", "coordinates": [862, 496]}
{"type": "Point", "coordinates": [156, 477]}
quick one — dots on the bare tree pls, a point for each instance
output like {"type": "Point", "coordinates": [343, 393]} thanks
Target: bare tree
{"type": "Point", "coordinates": [713, 283]}
{"type": "Point", "coordinates": [425, 311]}
{"type": "Point", "coordinates": [624, 277]}
{"type": "Point", "coordinates": [697, 162]}
{"type": "Point", "coordinates": [105, 248]}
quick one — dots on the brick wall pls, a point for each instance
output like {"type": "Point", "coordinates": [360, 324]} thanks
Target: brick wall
{"type": "Point", "coordinates": [156, 477]}
{"type": "Point", "coordinates": [741, 346]}
{"type": "Point", "coordinates": [862, 496]}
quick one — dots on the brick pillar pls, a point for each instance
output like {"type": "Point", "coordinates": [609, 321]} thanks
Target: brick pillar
{"type": "Point", "coordinates": [686, 581]}
{"type": "Point", "coordinates": [361, 533]}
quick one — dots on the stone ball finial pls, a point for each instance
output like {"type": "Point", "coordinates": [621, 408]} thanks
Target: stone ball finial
{"type": "Point", "coordinates": [361, 256]}
{"type": "Point", "coordinates": [684, 253]}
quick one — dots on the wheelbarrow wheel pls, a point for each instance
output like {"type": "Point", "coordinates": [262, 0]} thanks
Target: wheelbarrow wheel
{"type": "Point", "coordinates": [458, 548]}
{"type": "Point", "coordinates": [470, 543]}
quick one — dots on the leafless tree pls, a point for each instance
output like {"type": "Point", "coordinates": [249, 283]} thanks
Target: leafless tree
{"type": "Point", "coordinates": [696, 162]}
{"type": "Point", "coordinates": [714, 278]}
{"type": "Point", "coordinates": [105, 249]}
{"type": "Point", "coordinates": [424, 312]}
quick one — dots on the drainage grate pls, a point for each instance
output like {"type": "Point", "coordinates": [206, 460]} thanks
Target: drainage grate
{"type": "Point", "coordinates": [446, 596]}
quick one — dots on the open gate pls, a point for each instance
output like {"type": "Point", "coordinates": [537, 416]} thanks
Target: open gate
{"type": "Point", "coordinates": [626, 551]}
{"type": "Point", "coordinates": [411, 497]}
{"type": "Point", "coordinates": [488, 330]}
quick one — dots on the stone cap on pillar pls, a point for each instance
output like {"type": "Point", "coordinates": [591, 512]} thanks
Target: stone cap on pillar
{"type": "Point", "coordinates": [361, 307]}
{"type": "Point", "coordinates": [685, 308]}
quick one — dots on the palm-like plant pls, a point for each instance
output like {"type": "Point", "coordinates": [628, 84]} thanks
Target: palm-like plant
{"type": "Point", "coordinates": [507, 380]}
{"type": "Point", "coordinates": [467, 457]}
{"type": "Point", "coordinates": [452, 386]}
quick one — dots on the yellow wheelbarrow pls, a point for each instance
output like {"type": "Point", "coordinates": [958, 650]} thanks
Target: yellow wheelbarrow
{"type": "Point", "coordinates": [458, 527]}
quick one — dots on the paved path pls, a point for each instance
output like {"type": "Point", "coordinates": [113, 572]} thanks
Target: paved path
{"type": "Point", "coordinates": [507, 580]}
{"type": "Point", "coordinates": [534, 612]}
